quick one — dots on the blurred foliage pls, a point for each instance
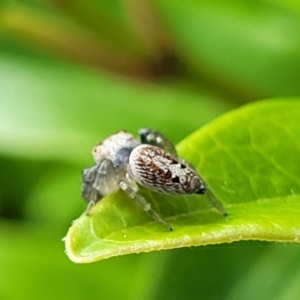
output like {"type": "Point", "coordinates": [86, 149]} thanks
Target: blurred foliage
{"type": "Point", "coordinates": [73, 72]}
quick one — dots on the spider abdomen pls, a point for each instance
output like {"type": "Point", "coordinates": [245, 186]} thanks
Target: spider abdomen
{"type": "Point", "coordinates": [158, 170]}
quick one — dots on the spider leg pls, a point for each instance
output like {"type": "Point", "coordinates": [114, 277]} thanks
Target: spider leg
{"type": "Point", "coordinates": [155, 138]}
{"type": "Point", "coordinates": [212, 198]}
{"type": "Point", "coordinates": [92, 195]}
{"type": "Point", "coordinates": [89, 207]}
{"type": "Point", "coordinates": [106, 178]}
{"type": "Point", "coordinates": [88, 192]}
{"type": "Point", "coordinates": [216, 203]}
{"type": "Point", "coordinates": [132, 192]}
{"type": "Point", "coordinates": [97, 181]}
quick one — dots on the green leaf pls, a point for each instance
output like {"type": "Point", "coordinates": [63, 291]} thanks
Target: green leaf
{"type": "Point", "coordinates": [36, 278]}
{"type": "Point", "coordinates": [251, 47]}
{"type": "Point", "coordinates": [250, 160]}
{"type": "Point", "coordinates": [51, 109]}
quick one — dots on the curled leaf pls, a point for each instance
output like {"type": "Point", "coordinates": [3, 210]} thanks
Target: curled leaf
{"type": "Point", "coordinates": [250, 160]}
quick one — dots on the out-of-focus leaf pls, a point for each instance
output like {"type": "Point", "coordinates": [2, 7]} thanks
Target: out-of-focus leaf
{"type": "Point", "coordinates": [276, 285]}
{"type": "Point", "coordinates": [249, 158]}
{"type": "Point", "coordinates": [55, 110]}
{"type": "Point", "coordinates": [42, 204]}
{"type": "Point", "coordinates": [243, 270]}
{"type": "Point", "coordinates": [32, 258]}
{"type": "Point", "coordinates": [250, 47]}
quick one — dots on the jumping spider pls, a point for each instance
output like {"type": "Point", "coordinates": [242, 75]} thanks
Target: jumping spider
{"type": "Point", "coordinates": [123, 162]}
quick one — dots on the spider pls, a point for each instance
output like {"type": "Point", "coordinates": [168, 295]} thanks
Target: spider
{"type": "Point", "coordinates": [123, 162]}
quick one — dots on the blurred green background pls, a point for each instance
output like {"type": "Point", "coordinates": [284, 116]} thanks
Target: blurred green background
{"type": "Point", "coordinates": [73, 72]}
